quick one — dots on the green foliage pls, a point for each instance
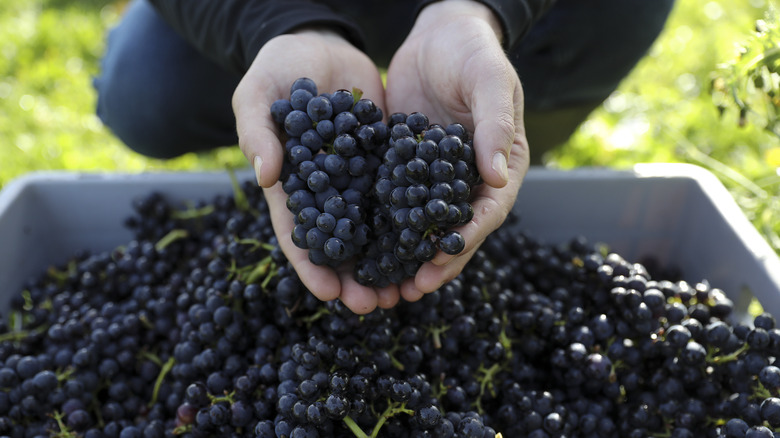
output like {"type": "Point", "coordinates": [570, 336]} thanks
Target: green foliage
{"type": "Point", "coordinates": [749, 84]}
{"type": "Point", "coordinates": [49, 54]}
{"type": "Point", "coordinates": [749, 87]}
{"type": "Point", "coordinates": [665, 111]}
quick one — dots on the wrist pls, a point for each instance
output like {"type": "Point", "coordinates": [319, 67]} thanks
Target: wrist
{"type": "Point", "coordinates": [449, 9]}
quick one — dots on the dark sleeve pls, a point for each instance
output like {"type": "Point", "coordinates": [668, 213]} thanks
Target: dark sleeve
{"type": "Point", "coordinates": [231, 32]}
{"type": "Point", "coordinates": [516, 16]}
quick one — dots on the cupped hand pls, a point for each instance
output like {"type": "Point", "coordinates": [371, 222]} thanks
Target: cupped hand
{"type": "Point", "coordinates": [452, 68]}
{"type": "Point", "coordinates": [333, 63]}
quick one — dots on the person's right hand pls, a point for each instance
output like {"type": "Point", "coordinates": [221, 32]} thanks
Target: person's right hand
{"type": "Point", "coordinates": [452, 68]}
{"type": "Point", "coordinates": [333, 63]}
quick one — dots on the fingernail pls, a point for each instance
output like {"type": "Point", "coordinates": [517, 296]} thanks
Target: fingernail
{"type": "Point", "coordinates": [499, 165]}
{"type": "Point", "coordinates": [258, 164]}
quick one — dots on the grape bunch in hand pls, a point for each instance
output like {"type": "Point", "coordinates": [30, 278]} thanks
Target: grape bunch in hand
{"type": "Point", "coordinates": [421, 192]}
{"type": "Point", "coordinates": [383, 195]}
{"type": "Point", "coordinates": [329, 168]}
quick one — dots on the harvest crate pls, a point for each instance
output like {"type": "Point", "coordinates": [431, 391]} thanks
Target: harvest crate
{"type": "Point", "coordinates": [679, 214]}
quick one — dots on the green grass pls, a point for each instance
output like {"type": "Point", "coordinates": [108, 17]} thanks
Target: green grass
{"type": "Point", "coordinates": [663, 112]}
{"type": "Point", "coordinates": [49, 53]}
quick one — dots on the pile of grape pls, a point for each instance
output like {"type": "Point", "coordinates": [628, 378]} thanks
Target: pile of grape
{"type": "Point", "coordinates": [385, 194]}
{"type": "Point", "coordinates": [198, 327]}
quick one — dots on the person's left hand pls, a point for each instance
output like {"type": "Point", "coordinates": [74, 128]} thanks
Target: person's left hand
{"type": "Point", "coordinates": [333, 63]}
{"type": "Point", "coordinates": [452, 68]}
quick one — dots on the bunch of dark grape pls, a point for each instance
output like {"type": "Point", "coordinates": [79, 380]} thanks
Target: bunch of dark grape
{"type": "Point", "coordinates": [422, 191]}
{"type": "Point", "coordinates": [385, 194]}
{"type": "Point", "coordinates": [329, 168]}
{"type": "Point", "coordinates": [199, 327]}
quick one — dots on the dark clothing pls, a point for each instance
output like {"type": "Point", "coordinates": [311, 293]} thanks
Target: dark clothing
{"type": "Point", "coordinates": [169, 72]}
{"type": "Point", "coordinates": [231, 32]}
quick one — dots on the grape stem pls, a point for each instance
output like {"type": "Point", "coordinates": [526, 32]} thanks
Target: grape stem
{"type": "Point", "coordinates": [357, 94]}
{"type": "Point", "coordinates": [60, 276]}
{"type": "Point", "coordinates": [260, 270]}
{"type": "Point", "coordinates": [169, 238]}
{"type": "Point", "coordinates": [192, 213]}
{"type": "Point", "coordinates": [393, 408]}
{"type": "Point", "coordinates": [503, 338]}
{"type": "Point", "coordinates": [182, 429]}
{"type": "Point", "coordinates": [65, 374]}
{"type": "Point", "coordinates": [436, 333]}
{"type": "Point", "coordinates": [63, 432]}
{"type": "Point", "coordinates": [20, 335]}
{"type": "Point", "coordinates": [256, 244]}
{"type": "Point", "coordinates": [356, 430]}
{"type": "Point", "coordinates": [242, 203]}
{"type": "Point", "coordinates": [486, 382]}
{"type": "Point", "coordinates": [229, 397]}
{"type": "Point", "coordinates": [309, 320]}
{"type": "Point", "coordinates": [166, 368]}
{"type": "Point", "coordinates": [728, 357]}
{"type": "Point", "coordinates": [761, 392]}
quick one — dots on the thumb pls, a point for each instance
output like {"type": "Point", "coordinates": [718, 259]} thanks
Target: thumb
{"type": "Point", "coordinates": [497, 109]}
{"type": "Point", "coordinates": [258, 135]}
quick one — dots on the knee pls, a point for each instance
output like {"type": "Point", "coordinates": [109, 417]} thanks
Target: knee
{"type": "Point", "coordinates": [157, 94]}
{"type": "Point", "coordinates": [140, 117]}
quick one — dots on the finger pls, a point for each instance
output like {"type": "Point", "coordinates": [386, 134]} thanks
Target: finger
{"type": "Point", "coordinates": [431, 277]}
{"type": "Point", "coordinates": [321, 281]}
{"type": "Point", "coordinates": [491, 206]}
{"type": "Point", "coordinates": [497, 110]}
{"type": "Point", "coordinates": [258, 135]}
{"type": "Point", "coordinates": [489, 214]}
{"type": "Point", "coordinates": [388, 297]}
{"type": "Point", "coordinates": [358, 298]}
{"type": "Point", "coordinates": [409, 291]}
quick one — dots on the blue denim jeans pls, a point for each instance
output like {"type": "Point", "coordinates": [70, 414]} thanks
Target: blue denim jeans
{"type": "Point", "coordinates": [163, 98]}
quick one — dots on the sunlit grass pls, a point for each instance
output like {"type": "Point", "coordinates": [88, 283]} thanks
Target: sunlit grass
{"type": "Point", "coordinates": [47, 118]}
{"type": "Point", "coordinates": [664, 112]}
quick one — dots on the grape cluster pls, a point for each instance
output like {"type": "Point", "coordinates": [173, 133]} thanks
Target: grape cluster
{"type": "Point", "coordinates": [199, 327]}
{"type": "Point", "coordinates": [329, 168]}
{"type": "Point", "coordinates": [384, 194]}
{"type": "Point", "coordinates": [421, 192]}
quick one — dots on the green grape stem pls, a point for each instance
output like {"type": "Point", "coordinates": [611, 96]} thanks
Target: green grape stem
{"type": "Point", "coordinates": [727, 357]}
{"type": "Point", "coordinates": [166, 368]}
{"type": "Point", "coordinates": [60, 276]}
{"type": "Point", "coordinates": [436, 333]}
{"type": "Point", "coordinates": [314, 317]}
{"type": "Point", "coordinates": [485, 379]}
{"type": "Point", "coordinates": [63, 432]}
{"type": "Point", "coordinates": [182, 429]}
{"type": "Point", "coordinates": [357, 94]}
{"type": "Point", "coordinates": [761, 392]}
{"type": "Point", "coordinates": [260, 270]}
{"type": "Point", "coordinates": [503, 338]}
{"type": "Point", "coordinates": [228, 397]}
{"type": "Point", "coordinates": [393, 408]}
{"type": "Point", "coordinates": [172, 236]}
{"type": "Point", "coordinates": [242, 203]}
{"type": "Point", "coordinates": [64, 375]}
{"type": "Point", "coordinates": [356, 430]}
{"type": "Point", "coordinates": [192, 213]}
{"type": "Point", "coordinates": [21, 335]}
{"type": "Point", "coordinates": [256, 244]}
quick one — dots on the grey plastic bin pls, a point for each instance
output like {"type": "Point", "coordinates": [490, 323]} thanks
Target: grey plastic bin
{"type": "Point", "coordinates": [680, 214]}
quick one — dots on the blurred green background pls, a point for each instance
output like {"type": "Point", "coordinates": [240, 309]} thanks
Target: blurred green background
{"type": "Point", "coordinates": [663, 112]}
